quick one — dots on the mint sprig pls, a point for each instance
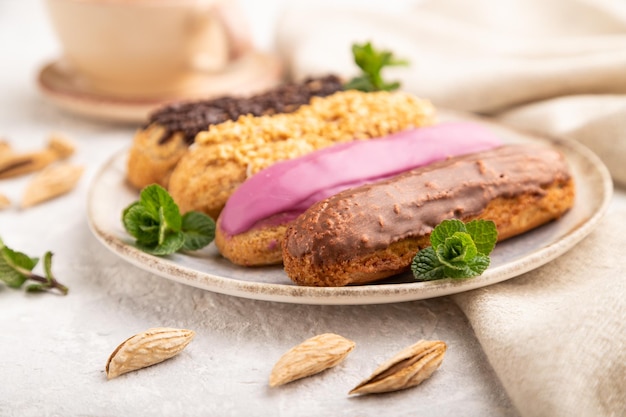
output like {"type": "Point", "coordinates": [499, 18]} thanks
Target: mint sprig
{"type": "Point", "coordinates": [199, 230]}
{"type": "Point", "coordinates": [371, 62]}
{"type": "Point", "coordinates": [458, 250]}
{"type": "Point", "coordinates": [159, 228]}
{"type": "Point", "coordinates": [16, 268]}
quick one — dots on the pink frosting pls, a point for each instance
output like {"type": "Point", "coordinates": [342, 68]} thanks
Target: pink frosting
{"type": "Point", "coordinates": [289, 187]}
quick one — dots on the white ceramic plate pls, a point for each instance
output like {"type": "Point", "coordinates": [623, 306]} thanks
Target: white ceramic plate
{"type": "Point", "coordinates": [109, 195]}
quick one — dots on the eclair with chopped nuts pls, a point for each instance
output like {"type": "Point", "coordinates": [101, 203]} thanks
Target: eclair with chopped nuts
{"type": "Point", "coordinates": [228, 153]}
{"type": "Point", "coordinates": [371, 232]}
{"type": "Point", "coordinates": [252, 225]}
{"type": "Point", "coordinates": [158, 146]}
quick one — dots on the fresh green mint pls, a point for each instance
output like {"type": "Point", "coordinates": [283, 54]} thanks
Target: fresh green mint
{"type": "Point", "coordinates": [371, 62]}
{"type": "Point", "coordinates": [16, 268]}
{"type": "Point", "coordinates": [159, 228]}
{"type": "Point", "coordinates": [458, 250]}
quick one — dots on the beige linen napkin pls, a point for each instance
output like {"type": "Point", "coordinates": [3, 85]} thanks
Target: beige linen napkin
{"type": "Point", "coordinates": [555, 336]}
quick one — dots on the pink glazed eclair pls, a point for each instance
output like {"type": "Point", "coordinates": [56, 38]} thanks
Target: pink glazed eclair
{"type": "Point", "coordinates": [252, 225]}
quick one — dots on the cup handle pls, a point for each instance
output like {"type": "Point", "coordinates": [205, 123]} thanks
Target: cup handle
{"type": "Point", "coordinates": [236, 28]}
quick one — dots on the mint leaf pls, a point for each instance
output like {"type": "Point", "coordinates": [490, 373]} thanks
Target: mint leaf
{"type": "Point", "coordinates": [444, 230]}
{"type": "Point", "coordinates": [36, 288]}
{"type": "Point", "coordinates": [371, 62]}
{"type": "Point", "coordinates": [171, 242]}
{"type": "Point", "coordinates": [426, 265]}
{"type": "Point", "coordinates": [140, 224]}
{"type": "Point", "coordinates": [14, 266]}
{"type": "Point", "coordinates": [457, 250]}
{"type": "Point", "coordinates": [16, 269]}
{"type": "Point", "coordinates": [157, 203]}
{"type": "Point", "coordinates": [154, 221]}
{"type": "Point", "coordinates": [465, 272]}
{"type": "Point", "coordinates": [158, 227]}
{"type": "Point", "coordinates": [360, 83]}
{"type": "Point", "coordinates": [484, 234]}
{"type": "Point", "coordinates": [199, 230]}
{"type": "Point", "coordinates": [479, 264]}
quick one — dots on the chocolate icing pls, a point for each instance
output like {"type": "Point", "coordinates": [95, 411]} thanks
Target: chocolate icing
{"type": "Point", "coordinates": [369, 218]}
{"type": "Point", "coordinates": [192, 117]}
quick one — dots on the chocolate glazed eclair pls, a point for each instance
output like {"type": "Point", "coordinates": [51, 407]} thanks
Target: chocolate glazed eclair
{"type": "Point", "coordinates": [374, 231]}
{"type": "Point", "coordinates": [251, 226]}
{"type": "Point", "coordinates": [160, 144]}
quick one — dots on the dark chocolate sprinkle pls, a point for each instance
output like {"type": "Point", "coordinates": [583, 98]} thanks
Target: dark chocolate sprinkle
{"type": "Point", "coordinates": [192, 117]}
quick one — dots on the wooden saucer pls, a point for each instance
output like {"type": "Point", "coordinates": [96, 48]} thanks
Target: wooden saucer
{"type": "Point", "coordinates": [250, 74]}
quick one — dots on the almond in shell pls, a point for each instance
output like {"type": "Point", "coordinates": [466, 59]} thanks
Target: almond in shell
{"type": "Point", "coordinates": [51, 182]}
{"type": "Point", "coordinates": [13, 164]}
{"type": "Point", "coordinates": [312, 356]}
{"type": "Point", "coordinates": [408, 368]}
{"type": "Point", "coordinates": [147, 348]}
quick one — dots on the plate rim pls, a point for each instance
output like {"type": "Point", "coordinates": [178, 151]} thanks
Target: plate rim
{"type": "Point", "coordinates": [363, 294]}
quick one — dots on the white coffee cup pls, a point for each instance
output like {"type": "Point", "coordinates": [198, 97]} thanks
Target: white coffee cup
{"type": "Point", "coordinates": [147, 48]}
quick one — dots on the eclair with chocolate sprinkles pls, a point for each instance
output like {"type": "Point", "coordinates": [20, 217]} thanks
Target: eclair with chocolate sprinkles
{"type": "Point", "coordinates": [158, 146]}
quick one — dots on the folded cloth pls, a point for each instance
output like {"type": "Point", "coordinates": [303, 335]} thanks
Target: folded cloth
{"type": "Point", "coordinates": [556, 336]}
{"type": "Point", "coordinates": [509, 59]}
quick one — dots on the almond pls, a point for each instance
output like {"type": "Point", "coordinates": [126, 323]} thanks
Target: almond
{"type": "Point", "coordinates": [406, 369]}
{"type": "Point", "coordinates": [310, 357]}
{"type": "Point", "coordinates": [52, 182]}
{"type": "Point", "coordinates": [13, 164]}
{"type": "Point", "coordinates": [147, 348]}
